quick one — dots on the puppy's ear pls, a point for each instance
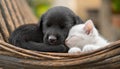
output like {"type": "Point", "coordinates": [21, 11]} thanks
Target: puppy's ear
{"type": "Point", "coordinates": [78, 20]}
{"type": "Point", "coordinates": [40, 23]}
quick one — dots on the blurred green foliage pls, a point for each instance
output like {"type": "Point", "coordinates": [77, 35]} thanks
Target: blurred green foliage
{"type": "Point", "coordinates": [116, 6]}
{"type": "Point", "coordinates": [40, 6]}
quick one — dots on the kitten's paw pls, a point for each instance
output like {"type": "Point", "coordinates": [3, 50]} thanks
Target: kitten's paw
{"type": "Point", "coordinates": [89, 48]}
{"type": "Point", "coordinates": [74, 50]}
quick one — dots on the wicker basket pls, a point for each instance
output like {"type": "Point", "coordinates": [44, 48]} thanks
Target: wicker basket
{"type": "Point", "coordinates": [12, 15]}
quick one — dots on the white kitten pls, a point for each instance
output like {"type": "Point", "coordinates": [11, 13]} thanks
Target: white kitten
{"type": "Point", "coordinates": [84, 38]}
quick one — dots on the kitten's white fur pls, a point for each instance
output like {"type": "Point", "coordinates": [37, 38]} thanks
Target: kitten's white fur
{"type": "Point", "coordinates": [84, 38]}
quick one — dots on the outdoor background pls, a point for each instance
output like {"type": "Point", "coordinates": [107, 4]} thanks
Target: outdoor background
{"type": "Point", "coordinates": [104, 13]}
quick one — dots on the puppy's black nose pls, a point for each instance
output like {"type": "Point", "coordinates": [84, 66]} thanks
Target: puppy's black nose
{"type": "Point", "coordinates": [52, 39]}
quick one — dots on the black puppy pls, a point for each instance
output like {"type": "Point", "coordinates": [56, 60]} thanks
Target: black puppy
{"type": "Point", "coordinates": [50, 33]}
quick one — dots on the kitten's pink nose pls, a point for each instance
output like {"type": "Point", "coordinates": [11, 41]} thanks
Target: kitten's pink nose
{"type": "Point", "coordinates": [67, 39]}
{"type": "Point", "coordinates": [66, 42]}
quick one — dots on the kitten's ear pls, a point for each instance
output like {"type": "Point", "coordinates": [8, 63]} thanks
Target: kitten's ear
{"type": "Point", "coordinates": [88, 26]}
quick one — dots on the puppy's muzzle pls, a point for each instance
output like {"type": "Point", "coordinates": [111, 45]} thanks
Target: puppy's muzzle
{"type": "Point", "coordinates": [52, 39]}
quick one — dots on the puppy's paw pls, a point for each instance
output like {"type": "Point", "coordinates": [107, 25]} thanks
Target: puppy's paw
{"type": "Point", "coordinates": [74, 50]}
{"type": "Point", "coordinates": [89, 48]}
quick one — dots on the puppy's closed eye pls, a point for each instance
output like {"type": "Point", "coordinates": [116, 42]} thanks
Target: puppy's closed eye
{"type": "Point", "coordinates": [62, 27]}
{"type": "Point", "coordinates": [48, 24]}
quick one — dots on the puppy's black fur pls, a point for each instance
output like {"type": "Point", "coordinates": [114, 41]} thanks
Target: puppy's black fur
{"type": "Point", "coordinates": [49, 34]}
